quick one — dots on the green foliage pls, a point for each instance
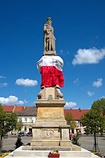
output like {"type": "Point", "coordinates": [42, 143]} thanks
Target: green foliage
{"type": "Point", "coordinates": [11, 120]}
{"type": "Point", "coordinates": [75, 139]}
{"type": "Point", "coordinates": [70, 121]}
{"type": "Point", "coordinates": [2, 119]}
{"type": "Point", "coordinates": [7, 121]}
{"type": "Point", "coordinates": [19, 125]}
{"type": "Point", "coordinates": [99, 105]}
{"type": "Point", "coordinates": [94, 120]}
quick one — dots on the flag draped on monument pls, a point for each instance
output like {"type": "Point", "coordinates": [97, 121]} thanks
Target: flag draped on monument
{"type": "Point", "coordinates": [51, 69]}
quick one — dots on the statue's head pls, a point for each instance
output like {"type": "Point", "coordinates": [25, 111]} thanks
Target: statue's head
{"type": "Point", "coordinates": [49, 21]}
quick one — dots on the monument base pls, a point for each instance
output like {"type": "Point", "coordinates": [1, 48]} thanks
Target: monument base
{"type": "Point", "coordinates": [44, 152]}
{"type": "Point", "coordinates": [50, 128]}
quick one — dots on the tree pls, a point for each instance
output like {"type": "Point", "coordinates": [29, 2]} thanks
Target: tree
{"type": "Point", "coordinates": [75, 139]}
{"type": "Point", "coordinates": [19, 125]}
{"type": "Point", "coordinates": [70, 121]}
{"type": "Point", "coordinates": [7, 122]}
{"type": "Point", "coordinates": [99, 105]}
{"type": "Point", "coordinates": [94, 122]}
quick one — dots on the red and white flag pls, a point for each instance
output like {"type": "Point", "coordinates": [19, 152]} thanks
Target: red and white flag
{"type": "Point", "coordinates": [50, 68]}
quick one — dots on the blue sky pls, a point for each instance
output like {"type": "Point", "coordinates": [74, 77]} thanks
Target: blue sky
{"type": "Point", "coordinates": [79, 28]}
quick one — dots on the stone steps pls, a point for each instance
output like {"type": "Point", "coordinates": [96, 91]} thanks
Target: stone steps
{"type": "Point", "coordinates": [19, 153]}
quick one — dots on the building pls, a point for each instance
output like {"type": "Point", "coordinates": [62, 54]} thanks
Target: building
{"type": "Point", "coordinates": [28, 114]}
{"type": "Point", "coordinates": [28, 118]}
{"type": "Point", "coordinates": [77, 115]}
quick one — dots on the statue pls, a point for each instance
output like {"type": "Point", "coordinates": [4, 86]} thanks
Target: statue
{"type": "Point", "coordinates": [50, 65]}
{"type": "Point", "coordinates": [49, 38]}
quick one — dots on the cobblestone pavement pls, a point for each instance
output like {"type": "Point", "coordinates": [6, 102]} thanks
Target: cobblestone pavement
{"type": "Point", "coordinates": [86, 142]}
{"type": "Point", "coordinates": [9, 143]}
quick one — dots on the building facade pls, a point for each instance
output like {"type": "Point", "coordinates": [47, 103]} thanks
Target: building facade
{"type": "Point", "coordinates": [28, 114]}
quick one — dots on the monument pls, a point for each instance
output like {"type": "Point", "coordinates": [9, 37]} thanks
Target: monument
{"type": "Point", "coordinates": [50, 131]}
{"type": "Point", "coordinates": [50, 128]}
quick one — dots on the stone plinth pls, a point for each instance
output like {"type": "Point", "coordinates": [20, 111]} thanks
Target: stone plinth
{"type": "Point", "coordinates": [50, 135]}
{"type": "Point", "coordinates": [50, 112]}
{"type": "Point", "coordinates": [50, 128]}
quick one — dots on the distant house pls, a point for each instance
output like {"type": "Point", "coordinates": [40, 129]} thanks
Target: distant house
{"type": "Point", "coordinates": [28, 114]}
{"type": "Point", "coordinates": [28, 117]}
{"type": "Point", "coordinates": [77, 115]}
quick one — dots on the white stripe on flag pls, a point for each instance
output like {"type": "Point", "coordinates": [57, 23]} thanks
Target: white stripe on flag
{"type": "Point", "coordinates": [51, 61]}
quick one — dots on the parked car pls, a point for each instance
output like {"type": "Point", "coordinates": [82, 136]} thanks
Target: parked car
{"type": "Point", "coordinates": [29, 134]}
{"type": "Point", "coordinates": [21, 134]}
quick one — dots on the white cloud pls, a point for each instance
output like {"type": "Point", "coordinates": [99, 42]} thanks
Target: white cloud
{"type": "Point", "coordinates": [98, 83]}
{"type": "Point", "coordinates": [21, 102]}
{"type": "Point", "coordinates": [102, 97]}
{"type": "Point", "coordinates": [76, 81]}
{"type": "Point", "coordinates": [2, 77]}
{"type": "Point", "coordinates": [70, 104]}
{"type": "Point", "coordinates": [26, 82]}
{"type": "Point", "coordinates": [11, 100]}
{"type": "Point", "coordinates": [89, 56]}
{"type": "Point", "coordinates": [90, 93]}
{"type": "Point", "coordinates": [8, 101]}
{"type": "Point", "coordinates": [3, 84]}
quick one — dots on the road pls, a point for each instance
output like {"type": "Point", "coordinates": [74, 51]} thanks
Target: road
{"type": "Point", "coordinates": [86, 142]}
{"type": "Point", "coordinates": [9, 143]}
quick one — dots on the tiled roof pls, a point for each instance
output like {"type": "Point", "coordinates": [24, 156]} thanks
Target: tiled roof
{"type": "Point", "coordinates": [76, 113]}
{"type": "Point", "coordinates": [28, 111]}
{"type": "Point", "coordinates": [32, 111]}
{"type": "Point", "coordinates": [7, 108]}
{"type": "Point", "coordinates": [18, 109]}
{"type": "Point", "coordinates": [12, 108]}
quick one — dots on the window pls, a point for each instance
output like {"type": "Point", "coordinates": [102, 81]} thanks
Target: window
{"type": "Point", "coordinates": [25, 119]}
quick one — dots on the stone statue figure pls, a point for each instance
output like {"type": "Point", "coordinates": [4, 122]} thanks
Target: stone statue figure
{"type": "Point", "coordinates": [49, 38]}
{"type": "Point", "coordinates": [50, 65]}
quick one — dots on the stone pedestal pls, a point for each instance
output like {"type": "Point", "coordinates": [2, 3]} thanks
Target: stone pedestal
{"type": "Point", "coordinates": [50, 133]}
{"type": "Point", "coordinates": [50, 128]}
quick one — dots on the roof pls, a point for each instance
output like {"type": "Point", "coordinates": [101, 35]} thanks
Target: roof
{"type": "Point", "coordinates": [20, 110]}
{"type": "Point", "coordinates": [76, 113]}
{"type": "Point", "coordinates": [28, 111]}
{"type": "Point", "coordinates": [12, 108]}
{"type": "Point", "coordinates": [7, 108]}
{"type": "Point", "coordinates": [32, 111]}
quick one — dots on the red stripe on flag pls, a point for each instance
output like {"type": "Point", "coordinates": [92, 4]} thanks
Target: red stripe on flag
{"type": "Point", "coordinates": [51, 76]}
